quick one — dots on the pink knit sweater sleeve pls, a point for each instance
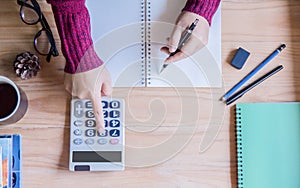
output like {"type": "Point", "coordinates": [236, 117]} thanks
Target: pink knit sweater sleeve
{"type": "Point", "coordinates": [73, 25]}
{"type": "Point", "coordinates": [204, 8]}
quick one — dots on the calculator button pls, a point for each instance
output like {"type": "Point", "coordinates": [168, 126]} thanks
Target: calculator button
{"type": "Point", "coordinates": [78, 109]}
{"type": "Point", "coordinates": [102, 141]}
{"type": "Point", "coordinates": [105, 123]}
{"type": "Point", "coordinates": [78, 123]}
{"type": "Point", "coordinates": [77, 141]}
{"type": "Point", "coordinates": [114, 123]}
{"type": "Point", "coordinates": [114, 114]}
{"type": "Point", "coordinates": [114, 104]}
{"type": "Point", "coordinates": [104, 104]}
{"type": "Point", "coordinates": [90, 133]}
{"type": "Point", "coordinates": [88, 104]}
{"type": "Point", "coordinates": [89, 114]}
{"type": "Point", "coordinates": [89, 141]}
{"type": "Point", "coordinates": [114, 133]}
{"type": "Point", "coordinates": [78, 132]}
{"type": "Point", "coordinates": [103, 134]}
{"type": "Point", "coordinates": [90, 123]}
{"type": "Point", "coordinates": [105, 113]}
{"type": "Point", "coordinates": [114, 141]}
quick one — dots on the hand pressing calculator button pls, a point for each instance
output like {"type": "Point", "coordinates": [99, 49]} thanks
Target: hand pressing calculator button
{"type": "Point", "coordinates": [99, 151]}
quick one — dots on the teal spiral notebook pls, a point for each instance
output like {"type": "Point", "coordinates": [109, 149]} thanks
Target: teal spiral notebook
{"type": "Point", "coordinates": [268, 145]}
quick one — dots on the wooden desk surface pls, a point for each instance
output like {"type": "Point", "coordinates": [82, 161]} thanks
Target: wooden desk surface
{"type": "Point", "coordinates": [203, 153]}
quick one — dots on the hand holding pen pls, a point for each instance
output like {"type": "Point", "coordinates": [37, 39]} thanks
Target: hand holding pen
{"type": "Point", "coordinates": [189, 36]}
{"type": "Point", "coordinates": [184, 38]}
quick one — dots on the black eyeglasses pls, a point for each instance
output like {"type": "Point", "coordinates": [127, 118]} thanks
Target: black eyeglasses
{"type": "Point", "coordinates": [31, 14]}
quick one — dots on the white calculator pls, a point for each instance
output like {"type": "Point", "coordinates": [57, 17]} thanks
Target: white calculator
{"type": "Point", "coordinates": [91, 150]}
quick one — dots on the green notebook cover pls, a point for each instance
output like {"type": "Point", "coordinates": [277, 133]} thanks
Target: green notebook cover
{"type": "Point", "coordinates": [268, 145]}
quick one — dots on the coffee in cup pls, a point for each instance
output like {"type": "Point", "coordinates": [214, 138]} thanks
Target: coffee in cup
{"type": "Point", "coordinates": [13, 102]}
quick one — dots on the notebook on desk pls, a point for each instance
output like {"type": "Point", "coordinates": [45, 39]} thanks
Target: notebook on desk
{"type": "Point", "coordinates": [268, 145]}
{"type": "Point", "coordinates": [128, 35]}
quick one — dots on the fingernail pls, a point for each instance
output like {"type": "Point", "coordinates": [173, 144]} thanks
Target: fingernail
{"type": "Point", "coordinates": [173, 49]}
{"type": "Point", "coordinates": [167, 60]}
{"type": "Point", "coordinates": [101, 130]}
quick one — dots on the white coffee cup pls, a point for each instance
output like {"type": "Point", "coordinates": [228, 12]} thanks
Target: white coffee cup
{"type": "Point", "coordinates": [13, 102]}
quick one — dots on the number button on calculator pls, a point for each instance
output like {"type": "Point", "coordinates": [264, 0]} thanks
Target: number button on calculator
{"type": "Point", "coordinates": [114, 123]}
{"type": "Point", "coordinates": [90, 133]}
{"type": "Point", "coordinates": [89, 114]}
{"type": "Point", "coordinates": [114, 114]}
{"type": "Point", "coordinates": [102, 134]}
{"type": "Point", "coordinates": [115, 104]}
{"type": "Point", "coordinates": [114, 133]}
{"type": "Point", "coordinates": [90, 123]}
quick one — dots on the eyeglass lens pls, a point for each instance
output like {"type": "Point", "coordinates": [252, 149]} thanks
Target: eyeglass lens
{"type": "Point", "coordinates": [41, 42]}
{"type": "Point", "coordinates": [29, 15]}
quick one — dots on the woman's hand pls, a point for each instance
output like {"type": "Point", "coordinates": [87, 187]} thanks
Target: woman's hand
{"type": "Point", "coordinates": [197, 40]}
{"type": "Point", "coordinates": [91, 85]}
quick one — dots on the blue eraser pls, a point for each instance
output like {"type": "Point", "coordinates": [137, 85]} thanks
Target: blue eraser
{"type": "Point", "coordinates": [240, 58]}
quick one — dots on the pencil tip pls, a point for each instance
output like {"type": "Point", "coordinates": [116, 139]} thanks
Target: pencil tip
{"type": "Point", "coordinates": [222, 99]}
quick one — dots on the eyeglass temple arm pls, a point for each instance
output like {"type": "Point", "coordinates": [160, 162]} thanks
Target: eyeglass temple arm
{"type": "Point", "coordinates": [46, 26]}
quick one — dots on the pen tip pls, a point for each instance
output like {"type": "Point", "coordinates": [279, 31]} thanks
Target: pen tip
{"type": "Point", "coordinates": [163, 67]}
{"type": "Point", "coordinates": [161, 70]}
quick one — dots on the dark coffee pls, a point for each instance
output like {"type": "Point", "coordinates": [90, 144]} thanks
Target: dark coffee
{"type": "Point", "coordinates": [8, 99]}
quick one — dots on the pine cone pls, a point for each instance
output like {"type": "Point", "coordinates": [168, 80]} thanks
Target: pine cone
{"type": "Point", "coordinates": [26, 65]}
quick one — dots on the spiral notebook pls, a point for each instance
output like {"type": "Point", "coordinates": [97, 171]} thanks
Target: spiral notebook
{"type": "Point", "coordinates": [268, 145]}
{"type": "Point", "coordinates": [129, 33]}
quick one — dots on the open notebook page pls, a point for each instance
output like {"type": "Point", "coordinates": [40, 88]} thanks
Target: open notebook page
{"type": "Point", "coordinates": [120, 29]}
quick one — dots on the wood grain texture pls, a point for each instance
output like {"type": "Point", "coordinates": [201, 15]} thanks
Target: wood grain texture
{"type": "Point", "coordinates": [203, 153]}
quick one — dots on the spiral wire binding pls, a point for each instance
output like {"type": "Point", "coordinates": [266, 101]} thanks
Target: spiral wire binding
{"type": "Point", "coordinates": [143, 43]}
{"type": "Point", "coordinates": [148, 43]}
{"type": "Point", "coordinates": [238, 122]}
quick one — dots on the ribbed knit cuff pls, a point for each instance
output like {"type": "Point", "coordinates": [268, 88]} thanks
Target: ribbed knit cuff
{"type": "Point", "coordinates": [204, 8]}
{"type": "Point", "coordinates": [73, 25]}
{"type": "Point", "coordinates": [67, 6]}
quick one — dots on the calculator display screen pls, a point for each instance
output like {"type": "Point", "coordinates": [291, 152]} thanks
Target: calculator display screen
{"type": "Point", "coordinates": [97, 156]}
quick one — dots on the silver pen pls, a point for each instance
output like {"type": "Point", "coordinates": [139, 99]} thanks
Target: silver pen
{"type": "Point", "coordinates": [186, 35]}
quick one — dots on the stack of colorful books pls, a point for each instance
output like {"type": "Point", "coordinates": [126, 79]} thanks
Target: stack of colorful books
{"type": "Point", "coordinates": [10, 161]}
